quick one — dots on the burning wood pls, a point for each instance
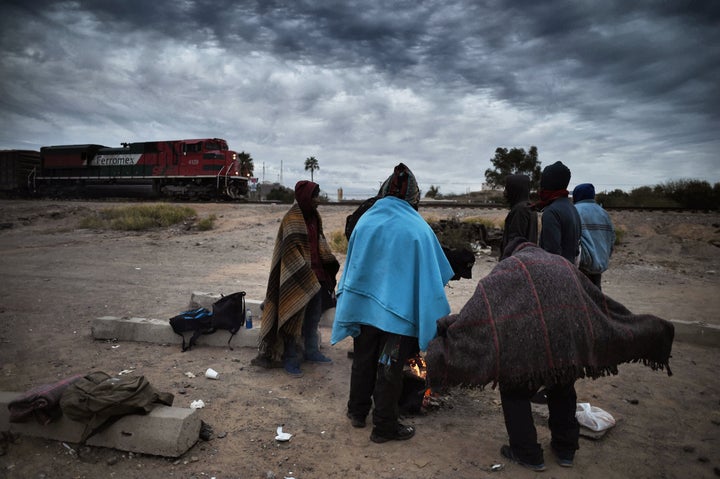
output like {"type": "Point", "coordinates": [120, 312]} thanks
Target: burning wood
{"type": "Point", "coordinates": [417, 366]}
{"type": "Point", "coordinates": [416, 397]}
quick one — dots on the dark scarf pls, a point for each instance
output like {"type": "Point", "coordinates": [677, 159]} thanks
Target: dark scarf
{"type": "Point", "coordinates": [536, 319]}
{"type": "Point", "coordinates": [548, 196]}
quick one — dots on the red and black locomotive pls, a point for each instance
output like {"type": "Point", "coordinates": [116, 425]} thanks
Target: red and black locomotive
{"type": "Point", "coordinates": [198, 168]}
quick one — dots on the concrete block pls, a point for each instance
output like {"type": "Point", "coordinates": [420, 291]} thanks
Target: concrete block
{"type": "Point", "coordinates": [134, 329]}
{"type": "Point", "coordinates": [160, 331]}
{"type": "Point", "coordinates": [697, 332]}
{"type": "Point", "coordinates": [164, 431]}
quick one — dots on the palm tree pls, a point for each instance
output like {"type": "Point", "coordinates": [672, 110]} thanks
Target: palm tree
{"type": "Point", "coordinates": [433, 192]}
{"type": "Point", "coordinates": [312, 165]}
{"type": "Point", "coordinates": [246, 164]}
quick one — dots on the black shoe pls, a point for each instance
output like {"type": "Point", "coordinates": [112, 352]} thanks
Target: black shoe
{"type": "Point", "coordinates": [401, 433]}
{"type": "Point", "coordinates": [356, 421]}
{"type": "Point", "coordinates": [293, 370]}
{"type": "Point", "coordinates": [508, 453]}
{"type": "Point", "coordinates": [562, 459]}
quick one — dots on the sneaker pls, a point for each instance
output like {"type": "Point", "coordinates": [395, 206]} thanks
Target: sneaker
{"type": "Point", "coordinates": [356, 421]}
{"type": "Point", "coordinates": [401, 433]}
{"type": "Point", "coordinates": [293, 370]}
{"type": "Point", "coordinates": [508, 453]}
{"type": "Point", "coordinates": [563, 460]}
{"type": "Point", "coordinates": [317, 357]}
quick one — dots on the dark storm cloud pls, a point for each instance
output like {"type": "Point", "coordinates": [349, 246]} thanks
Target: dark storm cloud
{"type": "Point", "coordinates": [577, 76]}
{"type": "Point", "coordinates": [653, 51]}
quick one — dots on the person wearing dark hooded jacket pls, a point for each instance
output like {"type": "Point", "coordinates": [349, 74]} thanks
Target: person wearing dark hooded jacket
{"type": "Point", "coordinates": [522, 220]}
{"type": "Point", "coordinates": [560, 228]}
{"type": "Point", "coordinates": [300, 287]}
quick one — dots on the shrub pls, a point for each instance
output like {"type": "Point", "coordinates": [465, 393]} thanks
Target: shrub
{"type": "Point", "coordinates": [338, 242]}
{"type": "Point", "coordinates": [483, 221]}
{"type": "Point", "coordinates": [619, 235]}
{"type": "Point", "coordinates": [138, 218]}
{"type": "Point", "coordinates": [206, 224]}
{"type": "Point", "coordinates": [281, 194]}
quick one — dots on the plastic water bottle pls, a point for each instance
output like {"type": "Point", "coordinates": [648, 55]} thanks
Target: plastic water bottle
{"type": "Point", "coordinates": [248, 319]}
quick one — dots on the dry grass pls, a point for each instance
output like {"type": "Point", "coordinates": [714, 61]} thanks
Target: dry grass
{"type": "Point", "coordinates": [141, 217]}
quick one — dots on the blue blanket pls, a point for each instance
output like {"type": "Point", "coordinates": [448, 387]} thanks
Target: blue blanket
{"type": "Point", "coordinates": [394, 275]}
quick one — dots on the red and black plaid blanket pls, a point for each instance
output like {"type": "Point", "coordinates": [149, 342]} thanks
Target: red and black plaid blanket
{"type": "Point", "coordinates": [537, 319]}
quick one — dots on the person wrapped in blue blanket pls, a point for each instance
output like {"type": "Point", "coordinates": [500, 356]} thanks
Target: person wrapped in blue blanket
{"type": "Point", "coordinates": [389, 298]}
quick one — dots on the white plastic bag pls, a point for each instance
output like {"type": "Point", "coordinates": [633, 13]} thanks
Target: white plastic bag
{"type": "Point", "coordinates": [593, 417]}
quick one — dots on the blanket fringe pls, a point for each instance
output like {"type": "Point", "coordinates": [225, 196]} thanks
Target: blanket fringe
{"type": "Point", "coordinates": [566, 375]}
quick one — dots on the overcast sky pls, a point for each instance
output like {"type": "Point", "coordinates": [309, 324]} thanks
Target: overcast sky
{"type": "Point", "coordinates": [626, 93]}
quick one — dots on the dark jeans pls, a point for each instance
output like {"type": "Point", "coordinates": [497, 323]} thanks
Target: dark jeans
{"type": "Point", "coordinates": [313, 313]}
{"type": "Point", "coordinates": [373, 383]}
{"type": "Point", "coordinates": [311, 335]}
{"type": "Point", "coordinates": [564, 428]}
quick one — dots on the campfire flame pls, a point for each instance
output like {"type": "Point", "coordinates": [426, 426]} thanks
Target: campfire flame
{"type": "Point", "coordinates": [417, 366]}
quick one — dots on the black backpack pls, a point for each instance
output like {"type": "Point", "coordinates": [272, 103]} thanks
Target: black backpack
{"type": "Point", "coordinates": [227, 313]}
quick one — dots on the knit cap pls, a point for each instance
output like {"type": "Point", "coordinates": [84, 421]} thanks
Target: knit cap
{"type": "Point", "coordinates": [555, 177]}
{"type": "Point", "coordinates": [584, 191]}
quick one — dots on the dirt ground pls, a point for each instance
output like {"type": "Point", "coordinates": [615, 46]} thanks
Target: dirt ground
{"type": "Point", "coordinates": [57, 278]}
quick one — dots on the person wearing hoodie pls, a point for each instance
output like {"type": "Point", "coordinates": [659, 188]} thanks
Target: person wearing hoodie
{"type": "Point", "coordinates": [522, 220]}
{"type": "Point", "coordinates": [300, 287]}
{"type": "Point", "coordinates": [389, 298]}
{"type": "Point", "coordinates": [560, 225]}
{"type": "Point", "coordinates": [598, 233]}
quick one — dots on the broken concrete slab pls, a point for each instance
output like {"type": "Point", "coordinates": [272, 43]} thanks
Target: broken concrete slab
{"type": "Point", "coordinates": [164, 431]}
{"type": "Point", "coordinates": [697, 332]}
{"type": "Point", "coordinates": [159, 331]}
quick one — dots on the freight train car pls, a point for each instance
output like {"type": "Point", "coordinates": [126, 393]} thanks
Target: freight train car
{"type": "Point", "coordinates": [198, 168]}
{"type": "Point", "coordinates": [16, 166]}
